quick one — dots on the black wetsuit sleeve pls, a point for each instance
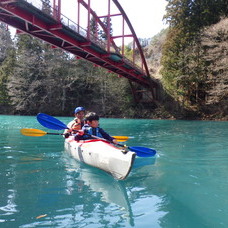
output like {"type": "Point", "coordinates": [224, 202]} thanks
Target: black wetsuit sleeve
{"type": "Point", "coordinates": [105, 135]}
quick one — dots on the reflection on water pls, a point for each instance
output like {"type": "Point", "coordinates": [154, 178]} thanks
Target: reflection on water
{"type": "Point", "coordinates": [109, 190]}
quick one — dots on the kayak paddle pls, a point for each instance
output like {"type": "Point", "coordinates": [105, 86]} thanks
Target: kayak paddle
{"type": "Point", "coordinates": [55, 124]}
{"type": "Point", "coordinates": [142, 151]}
{"type": "Point", "coordinates": [139, 150]}
{"type": "Point", "coordinates": [121, 138]}
{"type": "Point", "coordinates": [50, 122]}
{"type": "Point", "coordinates": [36, 132]}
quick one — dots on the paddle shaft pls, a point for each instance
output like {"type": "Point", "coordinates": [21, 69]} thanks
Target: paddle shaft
{"type": "Point", "coordinates": [55, 133]}
{"type": "Point", "coordinates": [96, 137]}
{"type": "Point", "coordinates": [124, 146]}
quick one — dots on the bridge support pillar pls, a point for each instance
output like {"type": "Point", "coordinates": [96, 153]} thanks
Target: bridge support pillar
{"type": "Point", "coordinates": [142, 94]}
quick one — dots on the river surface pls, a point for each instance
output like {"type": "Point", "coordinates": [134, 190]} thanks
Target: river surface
{"type": "Point", "coordinates": [185, 186]}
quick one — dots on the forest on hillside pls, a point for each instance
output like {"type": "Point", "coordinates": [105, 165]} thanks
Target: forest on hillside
{"type": "Point", "coordinates": [195, 57]}
{"type": "Point", "coordinates": [37, 78]}
{"type": "Point", "coordinates": [34, 77]}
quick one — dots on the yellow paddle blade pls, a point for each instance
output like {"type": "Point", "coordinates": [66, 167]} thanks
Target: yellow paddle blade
{"type": "Point", "coordinates": [32, 132]}
{"type": "Point", "coordinates": [121, 138]}
{"type": "Point", "coordinates": [118, 140]}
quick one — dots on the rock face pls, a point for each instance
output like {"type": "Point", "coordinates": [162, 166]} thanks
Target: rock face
{"type": "Point", "coordinates": [215, 46]}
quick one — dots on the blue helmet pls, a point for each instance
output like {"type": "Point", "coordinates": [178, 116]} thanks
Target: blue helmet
{"type": "Point", "coordinates": [78, 109]}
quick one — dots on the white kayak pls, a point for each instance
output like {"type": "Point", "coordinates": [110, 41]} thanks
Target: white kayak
{"type": "Point", "coordinates": [103, 155]}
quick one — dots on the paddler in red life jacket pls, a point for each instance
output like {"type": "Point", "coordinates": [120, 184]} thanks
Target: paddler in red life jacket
{"type": "Point", "coordinates": [91, 128]}
{"type": "Point", "coordinates": [77, 123]}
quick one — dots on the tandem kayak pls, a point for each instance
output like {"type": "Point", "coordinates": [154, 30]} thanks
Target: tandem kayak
{"type": "Point", "coordinates": [103, 155]}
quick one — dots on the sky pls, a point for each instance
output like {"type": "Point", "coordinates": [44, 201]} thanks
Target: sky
{"type": "Point", "coordinates": [144, 15]}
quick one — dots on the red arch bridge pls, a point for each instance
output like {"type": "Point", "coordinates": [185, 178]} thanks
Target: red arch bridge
{"type": "Point", "coordinates": [95, 30]}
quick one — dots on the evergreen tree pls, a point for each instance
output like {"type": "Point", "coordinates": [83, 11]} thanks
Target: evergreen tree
{"type": "Point", "coordinates": [93, 27]}
{"type": "Point", "coordinates": [109, 88]}
{"type": "Point", "coordinates": [7, 59]}
{"type": "Point", "coordinates": [64, 83]}
{"type": "Point", "coordinates": [183, 67]}
{"type": "Point", "coordinates": [103, 35]}
{"type": "Point", "coordinates": [194, 14]}
{"type": "Point", "coordinates": [26, 84]}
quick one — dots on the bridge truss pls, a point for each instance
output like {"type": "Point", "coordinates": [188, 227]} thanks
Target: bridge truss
{"type": "Point", "coordinates": [89, 36]}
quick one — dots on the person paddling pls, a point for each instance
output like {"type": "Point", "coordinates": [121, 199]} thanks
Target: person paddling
{"type": "Point", "coordinates": [92, 128]}
{"type": "Point", "coordinates": [77, 123]}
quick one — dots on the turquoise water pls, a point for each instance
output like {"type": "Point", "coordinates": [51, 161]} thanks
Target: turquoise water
{"type": "Point", "coordinates": [186, 185]}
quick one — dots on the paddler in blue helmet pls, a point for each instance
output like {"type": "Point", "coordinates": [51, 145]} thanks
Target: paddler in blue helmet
{"type": "Point", "coordinates": [77, 123]}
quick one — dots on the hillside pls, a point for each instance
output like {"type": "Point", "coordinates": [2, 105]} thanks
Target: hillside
{"type": "Point", "coordinates": [215, 44]}
{"type": "Point", "coordinates": [153, 53]}
{"type": "Point", "coordinates": [212, 100]}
